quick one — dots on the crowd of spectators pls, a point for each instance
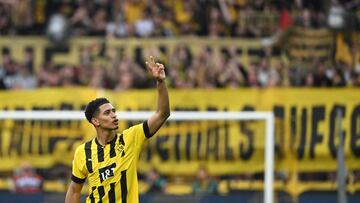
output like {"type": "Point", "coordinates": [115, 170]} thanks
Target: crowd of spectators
{"type": "Point", "coordinates": [170, 18]}
{"type": "Point", "coordinates": [206, 69]}
{"type": "Point", "coordinates": [141, 18]}
{"type": "Point", "coordinates": [161, 18]}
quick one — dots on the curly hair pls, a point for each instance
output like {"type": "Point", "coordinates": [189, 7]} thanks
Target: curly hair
{"type": "Point", "coordinates": [92, 108]}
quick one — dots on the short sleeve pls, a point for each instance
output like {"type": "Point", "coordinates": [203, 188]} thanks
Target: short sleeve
{"type": "Point", "coordinates": [79, 171]}
{"type": "Point", "coordinates": [140, 132]}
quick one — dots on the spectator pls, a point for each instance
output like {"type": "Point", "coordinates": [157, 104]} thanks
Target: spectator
{"type": "Point", "coordinates": [5, 69]}
{"type": "Point", "coordinates": [5, 17]}
{"type": "Point", "coordinates": [252, 80]}
{"type": "Point", "coordinates": [244, 29]}
{"type": "Point", "coordinates": [118, 28]}
{"type": "Point", "coordinates": [156, 182]}
{"type": "Point", "coordinates": [307, 20]}
{"type": "Point", "coordinates": [130, 75]}
{"type": "Point", "coordinates": [285, 18]}
{"type": "Point", "coordinates": [69, 76]}
{"type": "Point", "coordinates": [309, 79]}
{"type": "Point", "coordinates": [296, 74]}
{"type": "Point", "coordinates": [134, 10]}
{"type": "Point", "coordinates": [29, 59]}
{"type": "Point", "coordinates": [21, 78]}
{"type": "Point", "coordinates": [25, 180]}
{"type": "Point", "coordinates": [232, 74]}
{"type": "Point", "coordinates": [321, 79]}
{"type": "Point", "coordinates": [144, 26]}
{"type": "Point", "coordinates": [81, 21]}
{"type": "Point", "coordinates": [99, 23]}
{"type": "Point", "coordinates": [14, 75]}
{"type": "Point", "coordinates": [23, 18]}
{"type": "Point", "coordinates": [163, 27]}
{"type": "Point", "coordinates": [48, 76]}
{"type": "Point", "coordinates": [355, 79]}
{"type": "Point", "coordinates": [184, 12]}
{"type": "Point", "coordinates": [204, 184]}
{"type": "Point", "coordinates": [267, 75]}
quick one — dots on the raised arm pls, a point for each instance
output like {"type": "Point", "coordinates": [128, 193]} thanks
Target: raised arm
{"type": "Point", "coordinates": [74, 193]}
{"type": "Point", "coordinates": [157, 70]}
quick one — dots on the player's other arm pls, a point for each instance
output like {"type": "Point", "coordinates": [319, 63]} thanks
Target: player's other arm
{"type": "Point", "coordinates": [78, 176]}
{"type": "Point", "coordinates": [157, 70]}
{"type": "Point", "coordinates": [74, 193]}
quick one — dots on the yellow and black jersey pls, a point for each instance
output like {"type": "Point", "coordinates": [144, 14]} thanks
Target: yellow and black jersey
{"type": "Point", "coordinates": [111, 170]}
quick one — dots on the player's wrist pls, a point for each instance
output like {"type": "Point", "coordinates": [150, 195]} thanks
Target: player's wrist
{"type": "Point", "coordinates": [160, 80]}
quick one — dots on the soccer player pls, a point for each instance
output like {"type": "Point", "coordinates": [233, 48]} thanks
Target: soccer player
{"type": "Point", "coordinates": [108, 161]}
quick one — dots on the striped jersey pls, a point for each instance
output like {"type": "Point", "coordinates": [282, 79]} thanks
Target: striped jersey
{"type": "Point", "coordinates": [111, 169]}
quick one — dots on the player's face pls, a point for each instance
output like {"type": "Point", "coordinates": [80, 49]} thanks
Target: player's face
{"type": "Point", "coordinates": [107, 117]}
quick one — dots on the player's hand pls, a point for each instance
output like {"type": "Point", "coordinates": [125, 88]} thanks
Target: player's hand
{"type": "Point", "coordinates": [157, 70]}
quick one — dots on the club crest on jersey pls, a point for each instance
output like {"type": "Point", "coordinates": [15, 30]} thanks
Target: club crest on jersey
{"type": "Point", "coordinates": [107, 172]}
{"type": "Point", "coordinates": [120, 149]}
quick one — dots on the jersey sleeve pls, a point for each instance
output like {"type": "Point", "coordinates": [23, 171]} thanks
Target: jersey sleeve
{"type": "Point", "coordinates": [140, 132]}
{"type": "Point", "coordinates": [79, 171]}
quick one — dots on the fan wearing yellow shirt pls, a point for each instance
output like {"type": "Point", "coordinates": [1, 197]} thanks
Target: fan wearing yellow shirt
{"type": "Point", "coordinates": [109, 161]}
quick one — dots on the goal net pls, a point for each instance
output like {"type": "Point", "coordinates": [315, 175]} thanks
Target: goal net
{"type": "Point", "coordinates": [222, 142]}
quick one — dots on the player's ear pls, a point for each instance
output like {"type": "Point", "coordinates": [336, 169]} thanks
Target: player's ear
{"type": "Point", "coordinates": [95, 121]}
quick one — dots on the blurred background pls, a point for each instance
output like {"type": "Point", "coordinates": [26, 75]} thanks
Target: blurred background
{"type": "Point", "coordinates": [299, 59]}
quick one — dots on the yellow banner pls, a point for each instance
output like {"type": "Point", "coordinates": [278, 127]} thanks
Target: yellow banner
{"type": "Point", "coordinates": [306, 129]}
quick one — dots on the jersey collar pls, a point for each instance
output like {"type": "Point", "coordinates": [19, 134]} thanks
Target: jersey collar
{"type": "Point", "coordinates": [110, 142]}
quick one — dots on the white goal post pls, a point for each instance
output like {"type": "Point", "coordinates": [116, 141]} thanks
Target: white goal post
{"type": "Point", "coordinates": [268, 117]}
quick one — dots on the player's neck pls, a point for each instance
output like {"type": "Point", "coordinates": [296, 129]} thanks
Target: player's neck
{"type": "Point", "coordinates": [104, 137]}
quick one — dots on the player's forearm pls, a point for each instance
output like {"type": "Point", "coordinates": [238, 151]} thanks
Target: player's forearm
{"type": "Point", "coordinates": [73, 194]}
{"type": "Point", "coordinates": [72, 197]}
{"type": "Point", "coordinates": [163, 107]}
